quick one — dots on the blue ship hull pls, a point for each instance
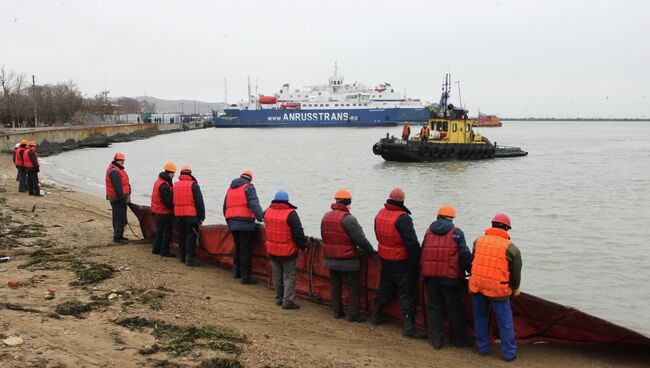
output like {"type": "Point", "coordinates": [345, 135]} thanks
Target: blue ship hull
{"type": "Point", "coordinates": [320, 118]}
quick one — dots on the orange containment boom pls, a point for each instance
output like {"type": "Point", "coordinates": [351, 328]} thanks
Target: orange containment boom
{"type": "Point", "coordinates": [536, 319]}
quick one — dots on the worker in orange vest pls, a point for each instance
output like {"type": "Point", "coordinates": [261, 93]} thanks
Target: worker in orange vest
{"type": "Point", "coordinates": [32, 168]}
{"type": "Point", "coordinates": [162, 206]}
{"type": "Point", "coordinates": [189, 211]}
{"type": "Point", "coordinates": [496, 276]}
{"type": "Point", "coordinates": [406, 132]}
{"type": "Point", "coordinates": [399, 254]}
{"type": "Point", "coordinates": [284, 236]}
{"type": "Point", "coordinates": [445, 259]}
{"type": "Point", "coordinates": [241, 208]}
{"type": "Point", "coordinates": [424, 133]}
{"type": "Point", "coordinates": [18, 161]}
{"type": "Point", "coordinates": [118, 193]}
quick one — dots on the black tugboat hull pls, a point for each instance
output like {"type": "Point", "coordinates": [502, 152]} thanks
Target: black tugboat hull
{"type": "Point", "coordinates": [393, 150]}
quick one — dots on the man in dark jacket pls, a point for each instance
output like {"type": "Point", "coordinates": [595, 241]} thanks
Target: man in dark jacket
{"type": "Point", "coordinates": [399, 253]}
{"type": "Point", "coordinates": [189, 211]}
{"type": "Point", "coordinates": [284, 236]}
{"type": "Point", "coordinates": [19, 162]}
{"type": "Point", "coordinates": [344, 241]}
{"type": "Point", "coordinates": [32, 168]}
{"type": "Point", "coordinates": [241, 208]}
{"type": "Point", "coordinates": [162, 206]}
{"type": "Point", "coordinates": [118, 193]}
{"type": "Point", "coordinates": [444, 262]}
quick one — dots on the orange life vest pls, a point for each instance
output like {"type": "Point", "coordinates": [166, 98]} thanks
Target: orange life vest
{"type": "Point", "coordinates": [406, 130]}
{"type": "Point", "coordinates": [490, 275]}
{"type": "Point", "coordinates": [27, 163]}
{"type": "Point", "coordinates": [184, 197]}
{"type": "Point", "coordinates": [237, 203]}
{"type": "Point", "coordinates": [157, 205]}
{"type": "Point", "coordinates": [424, 132]}
{"type": "Point", "coordinates": [19, 157]}
{"type": "Point", "coordinates": [391, 246]}
{"type": "Point", "coordinates": [279, 240]}
{"type": "Point", "coordinates": [126, 187]}
{"type": "Point", "coordinates": [336, 241]}
{"type": "Point", "coordinates": [440, 256]}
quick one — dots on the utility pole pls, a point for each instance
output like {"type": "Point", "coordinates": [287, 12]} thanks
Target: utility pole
{"type": "Point", "coordinates": [34, 99]}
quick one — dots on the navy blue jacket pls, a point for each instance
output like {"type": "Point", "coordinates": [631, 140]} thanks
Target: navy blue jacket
{"type": "Point", "coordinates": [240, 223]}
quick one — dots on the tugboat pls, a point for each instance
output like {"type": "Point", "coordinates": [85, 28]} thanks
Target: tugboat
{"type": "Point", "coordinates": [451, 138]}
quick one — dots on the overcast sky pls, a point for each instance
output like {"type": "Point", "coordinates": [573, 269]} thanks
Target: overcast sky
{"type": "Point", "coordinates": [512, 57]}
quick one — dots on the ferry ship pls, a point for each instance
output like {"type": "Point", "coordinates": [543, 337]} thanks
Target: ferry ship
{"type": "Point", "coordinates": [333, 105]}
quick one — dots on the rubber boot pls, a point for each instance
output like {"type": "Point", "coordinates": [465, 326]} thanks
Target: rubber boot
{"type": "Point", "coordinates": [181, 252]}
{"type": "Point", "coordinates": [189, 256]}
{"type": "Point", "coordinates": [409, 328]}
{"type": "Point", "coordinates": [377, 319]}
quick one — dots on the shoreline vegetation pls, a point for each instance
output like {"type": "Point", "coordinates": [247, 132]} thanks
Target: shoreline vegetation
{"type": "Point", "coordinates": [81, 300]}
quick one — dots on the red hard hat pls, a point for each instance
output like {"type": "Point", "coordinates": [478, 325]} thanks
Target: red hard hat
{"type": "Point", "coordinates": [397, 194]}
{"type": "Point", "coordinates": [502, 218]}
{"type": "Point", "coordinates": [119, 156]}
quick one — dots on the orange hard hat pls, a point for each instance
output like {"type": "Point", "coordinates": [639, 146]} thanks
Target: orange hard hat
{"type": "Point", "coordinates": [186, 168]}
{"type": "Point", "coordinates": [247, 173]}
{"type": "Point", "coordinates": [502, 218]}
{"type": "Point", "coordinates": [447, 211]}
{"type": "Point", "coordinates": [342, 194]}
{"type": "Point", "coordinates": [397, 194]}
{"type": "Point", "coordinates": [119, 156]}
{"type": "Point", "coordinates": [170, 167]}
{"type": "Point", "coordinates": [24, 142]}
{"type": "Point", "coordinates": [32, 143]}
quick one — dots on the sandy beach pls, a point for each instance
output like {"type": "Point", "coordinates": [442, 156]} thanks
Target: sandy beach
{"type": "Point", "coordinates": [85, 302]}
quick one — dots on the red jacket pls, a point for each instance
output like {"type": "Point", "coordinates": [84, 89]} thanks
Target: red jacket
{"type": "Point", "coordinates": [237, 204]}
{"type": "Point", "coordinates": [157, 205]}
{"type": "Point", "coordinates": [184, 205]}
{"type": "Point", "coordinates": [440, 256]}
{"type": "Point", "coordinates": [337, 242]}
{"type": "Point", "coordinates": [279, 239]}
{"type": "Point", "coordinates": [391, 246]}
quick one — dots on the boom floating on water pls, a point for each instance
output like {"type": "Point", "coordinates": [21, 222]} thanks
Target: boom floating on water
{"type": "Point", "coordinates": [535, 319]}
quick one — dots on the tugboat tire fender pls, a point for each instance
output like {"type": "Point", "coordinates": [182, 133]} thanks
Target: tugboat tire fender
{"type": "Point", "coordinates": [425, 151]}
{"type": "Point", "coordinates": [444, 152]}
{"type": "Point", "coordinates": [435, 152]}
{"type": "Point", "coordinates": [377, 149]}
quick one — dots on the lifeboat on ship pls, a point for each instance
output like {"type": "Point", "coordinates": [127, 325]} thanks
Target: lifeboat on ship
{"type": "Point", "coordinates": [289, 105]}
{"type": "Point", "coordinates": [268, 100]}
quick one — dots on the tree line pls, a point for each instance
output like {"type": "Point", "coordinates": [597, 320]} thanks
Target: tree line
{"type": "Point", "coordinates": [23, 103]}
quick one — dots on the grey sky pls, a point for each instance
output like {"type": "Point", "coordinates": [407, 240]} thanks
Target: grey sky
{"type": "Point", "coordinates": [514, 58]}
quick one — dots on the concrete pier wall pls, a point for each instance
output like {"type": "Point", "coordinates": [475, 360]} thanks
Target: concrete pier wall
{"type": "Point", "coordinates": [53, 140]}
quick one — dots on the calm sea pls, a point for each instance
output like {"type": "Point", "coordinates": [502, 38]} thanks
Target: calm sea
{"type": "Point", "coordinates": [578, 202]}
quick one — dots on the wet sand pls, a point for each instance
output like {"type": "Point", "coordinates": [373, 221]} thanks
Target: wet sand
{"type": "Point", "coordinates": [73, 234]}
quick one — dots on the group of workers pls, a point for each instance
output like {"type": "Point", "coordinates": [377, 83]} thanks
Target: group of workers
{"type": "Point", "coordinates": [442, 261]}
{"type": "Point", "coordinates": [26, 162]}
{"type": "Point", "coordinates": [424, 132]}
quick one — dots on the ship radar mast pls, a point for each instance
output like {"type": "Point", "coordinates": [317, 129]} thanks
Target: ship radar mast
{"type": "Point", "coordinates": [444, 97]}
{"type": "Point", "coordinates": [336, 81]}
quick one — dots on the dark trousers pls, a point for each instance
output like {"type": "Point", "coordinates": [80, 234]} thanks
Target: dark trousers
{"type": "Point", "coordinates": [352, 279]}
{"type": "Point", "coordinates": [22, 180]}
{"type": "Point", "coordinates": [405, 282]}
{"type": "Point", "coordinates": [449, 298]}
{"type": "Point", "coordinates": [243, 253]}
{"type": "Point", "coordinates": [164, 226]}
{"type": "Point", "coordinates": [118, 208]}
{"type": "Point", "coordinates": [32, 183]}
{"type": "Point", "coordinates": [187, 240]}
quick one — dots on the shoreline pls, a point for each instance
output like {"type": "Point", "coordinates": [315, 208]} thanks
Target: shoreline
{"type": "Point", "coordinates": [78, 225]}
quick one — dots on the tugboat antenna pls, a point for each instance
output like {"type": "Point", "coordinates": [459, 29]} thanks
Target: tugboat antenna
{"type": "Point", "coordinates": [460, 98]}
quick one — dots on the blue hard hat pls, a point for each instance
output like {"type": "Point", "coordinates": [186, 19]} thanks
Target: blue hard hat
{"type": "Point", "coordinates": [281, 195]}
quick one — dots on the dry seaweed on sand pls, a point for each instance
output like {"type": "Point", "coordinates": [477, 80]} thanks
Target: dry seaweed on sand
{"type": "Point", "coordinates": [220, 362]}
{"type": "Point", "coordinates": [77, 308]}
{"type": "Point", "coordinates": [92, 274]}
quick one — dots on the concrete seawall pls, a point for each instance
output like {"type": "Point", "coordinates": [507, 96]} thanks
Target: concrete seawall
{"type": "Point", "coordinates": [55, 140]}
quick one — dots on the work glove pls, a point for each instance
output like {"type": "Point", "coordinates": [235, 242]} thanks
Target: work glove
{"type": "Point", "coordinates": [516, 293]}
